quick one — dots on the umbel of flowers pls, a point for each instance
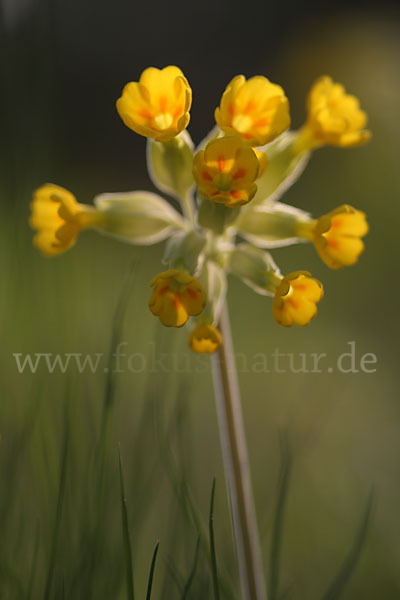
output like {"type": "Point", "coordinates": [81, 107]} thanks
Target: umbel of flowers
{"type": "Point", "coordinates": [228, 191]}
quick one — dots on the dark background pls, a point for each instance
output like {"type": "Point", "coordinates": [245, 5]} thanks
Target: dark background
{"type": "Point", "coordinates": [65, 63]}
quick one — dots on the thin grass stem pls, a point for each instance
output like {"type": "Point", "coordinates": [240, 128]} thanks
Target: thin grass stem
{"type": "Point", "coordinates": [151, 574]}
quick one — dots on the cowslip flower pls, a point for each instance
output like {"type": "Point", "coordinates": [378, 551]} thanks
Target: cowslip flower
{"type": "Point", "coordinates": [256, 110]}
{"type": "Point", "coordinates": [58, 218]}
{"type": "Point", "coordinates": [205, 339]}
{"type": "Point", "coordinates": [176, 295]}
{"type": "Point", "coordinates": [205, 240]}
{"type": "Point", "coordinates": [157, 106]}
{"type": "Point", "coordinates": [334, 118]}
{"type": "Point", "coordinates": [226, 170]}
{"type": "Point", "coordinates": [337, 236]}
{"type": "Point", "coordinates": [295, 299]}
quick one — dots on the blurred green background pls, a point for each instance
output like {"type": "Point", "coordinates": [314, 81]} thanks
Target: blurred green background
{"type": "Point", "coordinates": [63, 66]}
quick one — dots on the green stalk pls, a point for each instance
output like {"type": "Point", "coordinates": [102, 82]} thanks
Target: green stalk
{"type": "Point", "coordinates": [237, 469]}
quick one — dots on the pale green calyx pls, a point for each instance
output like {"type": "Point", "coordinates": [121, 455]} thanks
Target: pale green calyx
{"type": "Point", "coordinates": [185, 250]}
{"type": "Point", "coordinates": [216, 217]}
{"type": "Point", "coordinates": [283, 170]}
{"type": "Point", "coordinates": [170, 164]}
{"type": "Point", "coordinates": [271, 226]}
{"type": "Point", "coordinates": [138, 217]}
{"type": "Point", "coordinates": [255, 267]}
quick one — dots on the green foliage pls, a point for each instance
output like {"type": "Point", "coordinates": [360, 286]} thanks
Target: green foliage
{"type": "Point", "coordinates": [151, 574]}
{"type": "Point", "coordinates": [213, 556]}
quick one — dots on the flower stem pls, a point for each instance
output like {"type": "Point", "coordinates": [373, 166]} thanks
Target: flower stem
{"type": "Point", "coordinates": [237, 469]}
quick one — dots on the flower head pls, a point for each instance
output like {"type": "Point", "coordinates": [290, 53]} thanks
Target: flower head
{"type": "Point", "coordinates": [176, 295]}
{"type": "Point", "coordinates": [205, 339]}
{"type": "Point", "coordinates": [158, 105]}
{"type": "Point", "coordinates": [334, 118]}
{"type": "Point", "coordinates": [337, 236]}
{"type": "Point", "coordinates": [256, 110]}
{"type": "Point", "coordinates": [236, 161]}
{"type": "Point", "coordinates": [58, 217]}
{"type": "Point", "coordinates": [295, 299]}
{"type": "Point", "coordinates": [226, 170]}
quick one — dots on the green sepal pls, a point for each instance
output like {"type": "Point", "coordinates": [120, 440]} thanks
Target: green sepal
{"type": "Point", "coordinates": [170, 164]}
{"type": "Point", "coordinates": [255, 267]}
{"type": "Point", "coordinates": [216, 217]}
{"type": "Point", "coordinates": [139, 217]}
{"type": "Point", "coordinates": [272, 226]}
{"type": "Point", "coordinates": [283, 169]}
{"type": "Point", "coordinates": [184, 250]}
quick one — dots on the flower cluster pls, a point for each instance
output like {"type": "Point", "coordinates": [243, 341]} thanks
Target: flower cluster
{"type": "Point", "coordinates": [228, 190]}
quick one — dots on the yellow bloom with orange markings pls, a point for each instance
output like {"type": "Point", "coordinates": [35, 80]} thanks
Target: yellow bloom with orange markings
{"type": "Point", "coordinates": [157, 106]}
{"type": "Point", "coordinates": [248, 155]}
{"type": "Point", "coordinates": [295, 299]}
{"type": "Point", "coordinates": [334, 118]}
{"type": "Point", "coordinates": [337, 236]}
{"type": "Point", "coordinates": [58, 218]}
{"type": "Point", "coordinates": [176, 295]}
{"type": "Point", "coordinates": [205, 339]}
{"type": "Point", "coordinates": [256, 110]}
{"type": "Point", "coordinates": [226, 170]}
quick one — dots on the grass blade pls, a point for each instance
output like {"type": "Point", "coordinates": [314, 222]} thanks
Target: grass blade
{"type": "Point", "coordinates": [116, 331]}
{"type": "Point", "coordinates": [102, 462]}
{"type": "Point", "coordinates": [277, 531]}
{"type": "Point", "coordinates": [184, 493]}
{"type": "Point", "coordinates": [342, 578]}
{"type": "Point", "coordinates": [151, 574]}
{"type": "Point", "coordinates": [125, 533]}
{"type": "Point", "coordinates": [213, 556]}
{"type": "Point", "coordinates": [192, 571]}
{"type": "Point", "coordinates": [57, 522]}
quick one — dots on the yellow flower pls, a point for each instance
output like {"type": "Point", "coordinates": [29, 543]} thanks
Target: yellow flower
{"type": "Point", "coordinates": [205, 339]}
{"type": "Point", "coordinates": [334, 118]}
{"type": "Point", "coordinates": [295, 299]}
{"type": "Point", "coordinates": [226, 170]}
{"type": "Point", "coordinates": [58, 217]}
{"type": "Point", "coordinates": [256, 110]}
{"type": "Point", "coordinates": [158, 105]}
{"type": "Point", "coordinates": [176, 296]}
{"type": "Point", "coordinates": [337, 236]}
{"type": "Point", "coordinates": [262, 161]}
